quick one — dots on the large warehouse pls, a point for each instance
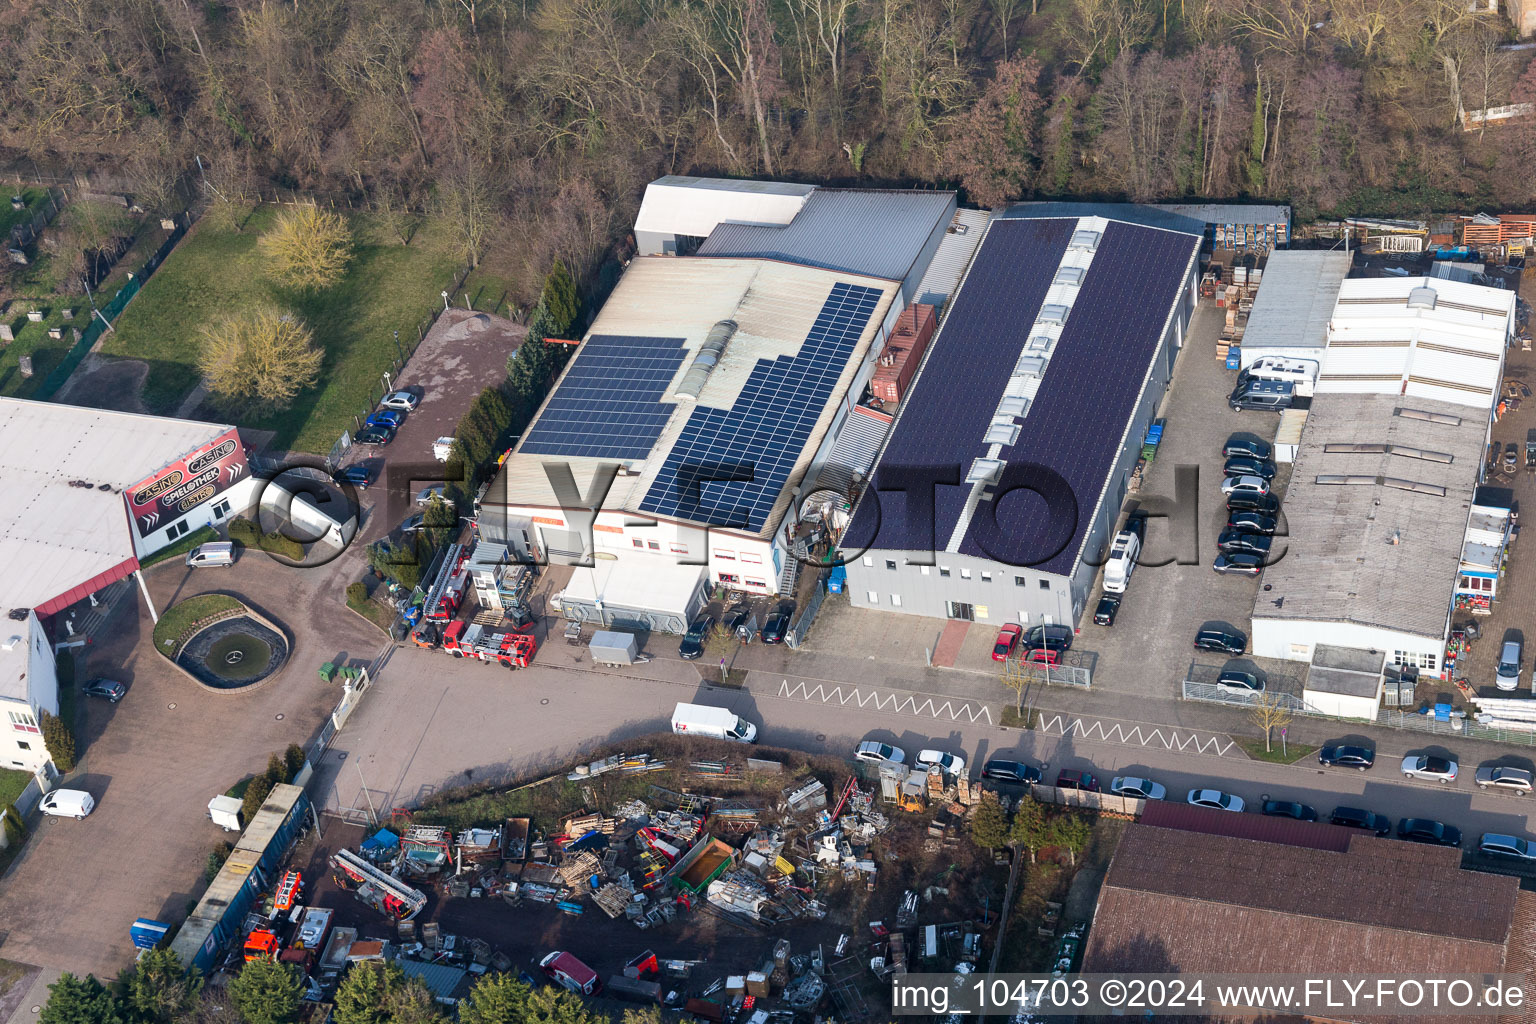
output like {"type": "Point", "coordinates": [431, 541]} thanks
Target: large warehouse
{"type": "Point", "coordinates": [1005, 471]}
{"type": "Point", "coordinates": [1379, 502]}
{"type": "Point", "coordinates": [88, 493]}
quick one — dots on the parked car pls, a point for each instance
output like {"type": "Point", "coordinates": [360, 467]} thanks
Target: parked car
{"type": "Point", "coordinates": [876, 752]}
{"type": "Point", "coordinates": [107, 689]}
{"type": "Point", "coordinates": [1142, 789]}
{"type": "Point", "coordinates": [1426, 830]}
{"type": "Point", "coordinates": [1288, 809]}
{"type": "Point", "coordinates": [1355, 817]}
{"type": "Point", "coordinates": [412, 523]}
{"type": "Point", "coordinates": [1507, 675]}
{"type": "Point", "coordinates": [1003, 770]}
{"type": "Point", "coordinates": [1510, 780]}
{"type": "Point", "coordinates": [1238, 682]}
{"type": "Point", "coordinates": [1425, 766]}
{"type": "Point", "coordinates": [1344, 755]}
{"type": "Point", "coordinates": [1232, 543]}
{"type": "Point", "coordinates": [1246, 501]}
{"type": "Point", "coordinates": [1249, 447]}
{"type": "Point", "coordinates": [1238, 563]}
{"type": "Point", "coordinates": [1136, 523]}
{"type": "Point", "coordinates": [1247, 521]}
{"type": "Point", "coordinates": [427, 495]}
{"type": "Point", "coordinates": [1109, 607]}
{"type": "Point", "coordinates": [1215, 799]}
{"type": "Point", "coordinates": [357, 476]}
{"type": "Point", "coordinates": [1494, 844]}
{"type": "Point", "coordinates": [1245, 482]}
{"type": "Point", "coordinates": [1241, 465]}
{"type": "Point", "coordinates": [692, 645]}
{"type": "Point", "coordinates": [1056, 637]}
{"type": "Point", "coordinates": [737, 617]}
{"type": "Point", "coordinates": [391, 418]}
{"type": "Point", "coordinates": [67, 803]}
{"type": "Point", "coordinates": [1007, 640]}
{"type": "Point", "coordinates": [375, 436]}
{"type": "Point", "coordinates": [1071, 778]}
{"type": "Point", "coordinates": [402, 400]}
{"type": "Point", "coordinates": [949, 764]}
{"type": "Point", "coordinates": [1217, 638]}
{"type": "Point", "coordinates": [1042, 656]}
{"type": "Point", "coordinates": [774, 629]}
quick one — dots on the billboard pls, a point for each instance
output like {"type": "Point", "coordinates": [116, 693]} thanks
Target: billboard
{"type": "Point", "coordinates": [158, 501]}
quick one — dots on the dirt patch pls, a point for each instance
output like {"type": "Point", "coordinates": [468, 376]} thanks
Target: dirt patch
{"type": "Point", "coordinates": [102, 382]}
{"type": "Point", "coordinates": [15, 982]}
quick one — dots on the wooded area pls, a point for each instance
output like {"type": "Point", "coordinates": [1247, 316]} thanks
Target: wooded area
{"type": "Point", "coordinates": [532, 125]}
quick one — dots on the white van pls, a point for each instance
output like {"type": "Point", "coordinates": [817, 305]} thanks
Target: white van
{"type": "Point", "coordinates": [1301, 374]}
{"type": "Point", "coordinates": [218, 552]}
{"type": "Point", "coordinates": [68, 803]}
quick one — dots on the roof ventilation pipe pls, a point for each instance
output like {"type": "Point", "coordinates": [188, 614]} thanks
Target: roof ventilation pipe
{"type": "Point", "coordinates": [704, 363]}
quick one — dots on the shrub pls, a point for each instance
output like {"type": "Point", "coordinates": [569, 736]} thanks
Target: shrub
{"type": "Point", "coordinates": [293, 759]}
{"type": "Point", "coordinates": [15, 828]}
{"type": "Point", "coordinates": [60, 741]}
{"type": "Point", "coordinates": [357, 593]}
{"type": "Point", "coordinates": [216, 858]}
{"type": "Point", "coordinates": [256, 793]}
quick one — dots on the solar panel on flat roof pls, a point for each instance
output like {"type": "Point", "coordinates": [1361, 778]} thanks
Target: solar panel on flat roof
{"type": "Point", "coordinates": [728, 465]}
{"type": "Point", "coordinates": [608, 403]}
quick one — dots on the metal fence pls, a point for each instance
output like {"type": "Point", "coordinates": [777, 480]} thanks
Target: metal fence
{"type": "Point", "coordinates": [1210, 693]}
{"type": "Point", "coordinates": [24, 232]}
{"type": "Point", "coordinates": [405, 348]}
{"type": "Point", "coordinates": [1076, 671]}
{"type": "Point", "coordinates": [802, 627]}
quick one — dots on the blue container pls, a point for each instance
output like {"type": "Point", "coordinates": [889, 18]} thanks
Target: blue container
{"type": "Point", "coordinates": [147, 934]}
{"type": "Point", "coordinates": [1234, 358]}
{"type": "Point", "coordinates": [837, 581]}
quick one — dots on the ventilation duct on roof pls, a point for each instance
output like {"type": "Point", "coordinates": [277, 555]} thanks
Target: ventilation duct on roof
{"type": "Point", "coordinates": [1029, 366]}
{"type": "Point", "coordinates": [1422, 297]}
{"type": "Point", "coordinates": [705, 361]}
{"type": "Point", "coordinates": [1069, 275]}
{"type": "Point", "coordinates": [1085, 239]}
{"type": "Point", "coordinates": [1054, 314]}
{"type": "Point", "coordinates": [985, 471]}
{"type": "Point", "coordinates": [1041, 343]}
{"type": "Point", "coordinates": [1013, 405]}
{"type": "Point", "coordinates": [1003, 431]}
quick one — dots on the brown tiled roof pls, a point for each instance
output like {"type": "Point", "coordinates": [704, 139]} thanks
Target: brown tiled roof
{"type": "Point", "coordinates": [1312, 834]}
{"type": "Point", "coordinates": [1381, 884]}
{"type": "Point", "coordinates": [1520, 957]}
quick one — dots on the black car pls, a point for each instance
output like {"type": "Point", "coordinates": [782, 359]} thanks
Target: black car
{"type": "Point", "coordinates": [1241, 466]}
{"type": "Point", "coordinates": [1136, 523]}
{"type": "Point", "coordinates": [1345, 756]}
{"type": "Point", "coordinates": [1249, 521]}
{"type": "Point", "coordinates": [1252, 501]}
{"type": "Point", "coordinates": [357, 476]}
{"type": "Point", "coordinates": [374, 436]}
{"type": "Point", "coordinates": [1232, 542]}
{"type": "Point", "coordinates": [693, 641]}
{"type": "Point", "coordinates": [1246, 447]}
{"type": "Point", "coordinates": [1288, 809]}
{"type": "Point", "coordinates": [1051, 638]}
{"type": "Point", "coordinates": [1355, 817]}
{"type": "Point", "coordinates": [774, 629]}
{"type": "Point", "coordinates": [1425, 830]}
{"type": "Point", "coordinates": [1227, 641]}
{"type": "Point", "coordinates": [737, 617]}
{"type": "Point", "coordinates": [1003, 770]}
{"type": "Point", "coordinates": [1109, 607]}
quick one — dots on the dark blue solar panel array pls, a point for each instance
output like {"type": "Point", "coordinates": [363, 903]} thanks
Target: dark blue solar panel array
{"type": "Point", "coordinates": [764, 433]}
{"type": "Point", "coordinates": [1091, 385]}
{"type": "Point", "coordinates": [608, 404]}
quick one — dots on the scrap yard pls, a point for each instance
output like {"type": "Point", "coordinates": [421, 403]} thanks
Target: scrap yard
{"type": "Point", "coordinates": [739, 881]}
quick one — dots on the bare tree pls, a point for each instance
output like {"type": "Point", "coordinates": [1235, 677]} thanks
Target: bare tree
{"type": "Point", "coordinates": [1269, 713]}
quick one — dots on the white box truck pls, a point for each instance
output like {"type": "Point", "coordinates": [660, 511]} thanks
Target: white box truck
{"type": "Point", "coordinates": [715, 723]}
{"type": "Point", "coordinates": [1122, 561]}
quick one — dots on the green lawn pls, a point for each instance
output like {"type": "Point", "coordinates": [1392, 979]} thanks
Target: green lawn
{"type": "Point", "coordinates": [12, 782]}
{"type": "Point", "coordinates": [179, 618]}
{"type": "Point", "coordinates": [388, 287]}
{"type": "Point", "coordinates": [1291, 753]}
{"type": "Point", "coordinates": [35, 197]}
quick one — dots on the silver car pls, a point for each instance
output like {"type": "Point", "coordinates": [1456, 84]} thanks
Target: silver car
{"type": "Point", "coordinates": [1141, 789]}
{"type": "Point", "coordinates": [1510, 780]}
{"type": "Point", "coordinates": [404, 401]}
{"type": "Point", "coordinates": [1215, 799]}
{"type": "Point", "coordinates": [874, 751]}
{"type": "Point", "coordinates": [1435, 769]}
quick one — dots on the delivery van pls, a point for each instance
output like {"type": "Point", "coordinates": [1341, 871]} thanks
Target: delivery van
{"type": "Point", "coordinates": [715, 723]}
{"type": "Point", "coordinates": [215, 553]}
{"type": "Point", "coordinates": [68, 803]}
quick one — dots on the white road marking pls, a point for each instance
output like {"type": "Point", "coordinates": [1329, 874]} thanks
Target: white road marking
{"type": "Point", "coordinates": [913, 704]}
{"type": "Point", "coordinates": [1136, 735]}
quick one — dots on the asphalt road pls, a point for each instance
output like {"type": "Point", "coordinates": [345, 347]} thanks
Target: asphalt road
{"type": "Point", "coordinates": [432, 717]}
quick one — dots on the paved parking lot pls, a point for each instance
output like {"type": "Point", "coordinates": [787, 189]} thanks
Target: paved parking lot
{"type": "Point", "coordinates": [154, 760]}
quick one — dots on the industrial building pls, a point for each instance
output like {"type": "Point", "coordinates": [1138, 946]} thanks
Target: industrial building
{"type": "Point", "coordinates": [90, 492]}
{"type": "Point", "coordinates": [1379, 506]}
{"type": "Point", "coordinates": [1004, 474]}
{"type": "Point", "coordinates": [1295, 300]}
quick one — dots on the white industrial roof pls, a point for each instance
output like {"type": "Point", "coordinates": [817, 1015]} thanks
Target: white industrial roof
{"type": "Point", "coordinates": [636, 580]}
{"type": "Point", "coordinates": [774, 306]}
{"type": "Point", "coordinates": [63, 520]}
{"type": "Point", "coordinates": [1295, 300]}
{"type": "Point", "coordinates": [1360, 546]}
{"type": "Point", "coordinates": [681, 205]}
{"type": "Point", "coordinates": [1419, 337]}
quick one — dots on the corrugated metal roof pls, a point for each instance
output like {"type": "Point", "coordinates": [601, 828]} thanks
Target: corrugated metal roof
{"type": "Point", "coordinates": [54, 536]}
{"type": "Point", "coordinates": [1230, 213]}
{"type": "Point", "coordinates": [1295, 301]}
{"type": "Point", "coordinates": [954, 254]}
{"type": "Point", "coordinates": [1129, 213]}
{"type": "Point", "coordinates": [860, 231]}
{"type": "Point", "coordinates": [445, 982]}
{"type": "Point", "coordinates": [854, 451]}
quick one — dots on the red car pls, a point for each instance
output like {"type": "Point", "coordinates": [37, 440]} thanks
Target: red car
{"type": "Point", "coordinates": [1043, 656]}
{"type": "Point", "coordinates": [1007, 640]}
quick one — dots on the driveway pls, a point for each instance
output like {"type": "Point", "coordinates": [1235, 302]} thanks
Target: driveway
{"type": "Point", "coordinates": [154, 760]}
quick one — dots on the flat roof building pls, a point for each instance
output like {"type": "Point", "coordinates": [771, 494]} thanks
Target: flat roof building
{"type": "Point", "coordinates": [1008, 463]}
{"type": "Point", "coordinates": [1295, 300]}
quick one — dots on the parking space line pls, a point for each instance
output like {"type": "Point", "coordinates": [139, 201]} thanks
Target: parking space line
{"type": "Point", "coordinates": [914, 704]}
{"type": "Point", "coordinates": [1134, 735]}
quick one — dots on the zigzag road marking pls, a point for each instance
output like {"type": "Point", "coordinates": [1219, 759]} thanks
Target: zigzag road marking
{"type": "Point", "coordinates": [1148, 736]}
{"type": "Point", "coordinates": [910, 704]}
